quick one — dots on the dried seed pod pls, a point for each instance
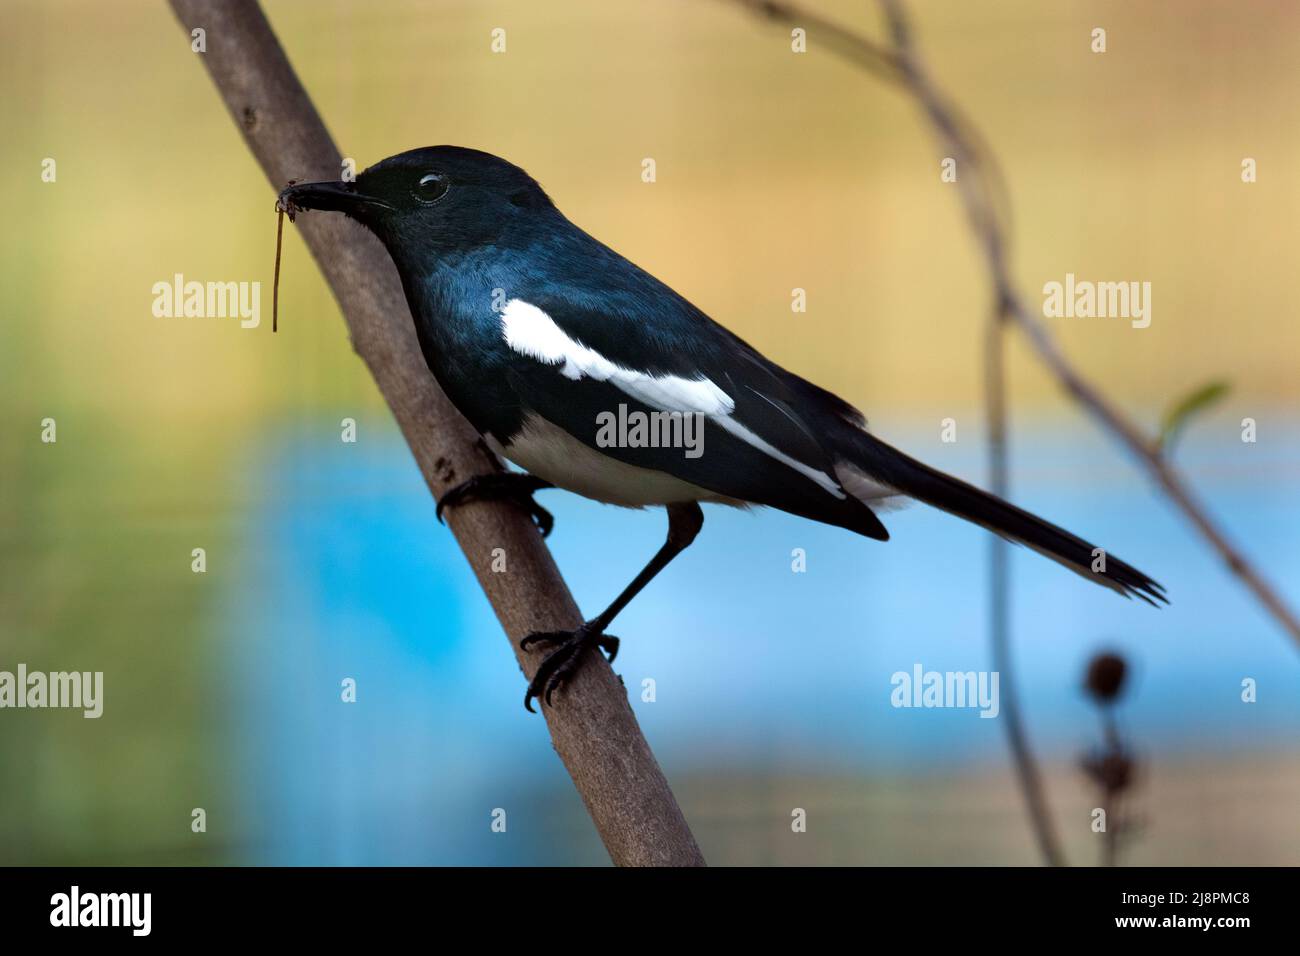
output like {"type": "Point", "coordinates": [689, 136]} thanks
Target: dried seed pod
{"type": "Point", "coordinates": [1105, 677]}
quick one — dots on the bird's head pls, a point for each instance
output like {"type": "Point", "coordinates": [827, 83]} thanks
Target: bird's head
{"type": "Point", "coordinates": [432, 200]}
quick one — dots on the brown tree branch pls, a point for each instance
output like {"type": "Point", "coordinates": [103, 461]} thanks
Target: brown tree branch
{"type": "Point", "coordinates": [1027, 772]}
{"type": "Point", "coordinates": [979, 194]}
{"type": "Point", "coordinates": [982, 207]}
{"type": "Point", "coordinates": [592, 727]}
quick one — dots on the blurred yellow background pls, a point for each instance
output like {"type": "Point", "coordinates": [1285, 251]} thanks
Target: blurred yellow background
{"type": "Point", "coordinates": [775, 171]}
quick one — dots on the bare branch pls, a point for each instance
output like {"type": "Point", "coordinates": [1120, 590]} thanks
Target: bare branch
{"type": "Point", "coordinates": [1027, 772]}
{"type": "Point", "coordinates": [871, 56]}
{"type": "Point", "coordinates": [979, 194]}
{"type": "Point", "coordinates": [592, 727]}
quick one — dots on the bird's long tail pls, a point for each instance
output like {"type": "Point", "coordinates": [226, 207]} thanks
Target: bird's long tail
{"type": "Point", "coordinates": [889, 466]}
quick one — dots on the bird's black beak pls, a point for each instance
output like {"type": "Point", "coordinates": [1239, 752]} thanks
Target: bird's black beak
{"type": "Point", "coordinates": [342, 197]}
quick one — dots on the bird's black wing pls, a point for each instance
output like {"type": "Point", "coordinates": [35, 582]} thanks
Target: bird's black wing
{"type": "Point", "coordinates": [576, 357]}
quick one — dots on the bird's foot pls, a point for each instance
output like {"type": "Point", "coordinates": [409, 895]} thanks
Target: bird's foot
{"type": "Point", "coordinates": [502, 485]}
{"type": "Point", "coordinates": [559, 665]}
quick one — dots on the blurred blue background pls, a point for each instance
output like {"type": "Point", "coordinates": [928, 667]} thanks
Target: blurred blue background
{"type": "Point", "coordinates": [758, 670]}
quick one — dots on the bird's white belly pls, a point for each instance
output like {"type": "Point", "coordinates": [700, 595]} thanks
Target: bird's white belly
{"type": "Point", "coordinates": [549, 452]}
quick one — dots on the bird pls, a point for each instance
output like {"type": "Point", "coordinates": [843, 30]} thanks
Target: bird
{"type": "Point", "coordinates": [546, 339]}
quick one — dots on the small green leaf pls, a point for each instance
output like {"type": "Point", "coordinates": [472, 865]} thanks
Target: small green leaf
{"type": "Point", "coordinates": [1178, 416]}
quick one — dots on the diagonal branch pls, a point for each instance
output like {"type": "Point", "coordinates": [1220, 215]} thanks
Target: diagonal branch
{"type": "Point", "coordinates": [980, 196]}
{"type": "Point", "coordinates": [592, 727]}
{"type": "Point", "coordinates": [1027, 770]}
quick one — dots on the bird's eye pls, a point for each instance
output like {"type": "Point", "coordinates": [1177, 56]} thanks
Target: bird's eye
{"type": "Point", "coordinates": [431, 187]}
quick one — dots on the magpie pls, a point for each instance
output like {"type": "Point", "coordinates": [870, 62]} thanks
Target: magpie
{"type": "Point", "coordinates": [539, 333]}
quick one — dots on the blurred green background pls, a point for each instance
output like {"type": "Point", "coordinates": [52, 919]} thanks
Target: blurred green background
{"type": "Point", "coordinates": [775, 171]}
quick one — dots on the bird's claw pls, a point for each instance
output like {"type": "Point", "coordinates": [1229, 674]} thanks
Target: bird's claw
{"type": "Point", "coordinates": [561, 663]}
{"type": "Point", "coordinates": [507, 485]}
{"type": "Point", "coordinates": [544, 520]}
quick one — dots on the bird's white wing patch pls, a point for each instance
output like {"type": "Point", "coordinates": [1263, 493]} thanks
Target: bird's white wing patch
{"type": "Point", "coordinates": [531, 332]}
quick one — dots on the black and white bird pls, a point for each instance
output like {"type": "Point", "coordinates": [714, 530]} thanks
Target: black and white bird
{"type": "Point", "coordinates": [549, 341]}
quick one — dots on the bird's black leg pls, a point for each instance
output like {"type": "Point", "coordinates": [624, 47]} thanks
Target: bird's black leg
{"type": "Point", "coordinates": [508, 485]}
{"type": "Point", "coordinates": [684, 523]}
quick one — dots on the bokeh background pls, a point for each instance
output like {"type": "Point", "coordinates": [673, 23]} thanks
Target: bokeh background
{"type": "Point", "coordinates": [775, 171]}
